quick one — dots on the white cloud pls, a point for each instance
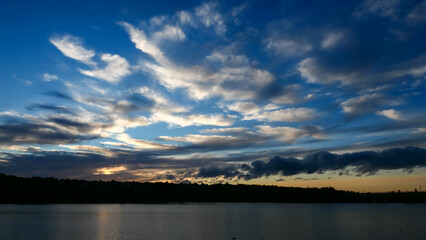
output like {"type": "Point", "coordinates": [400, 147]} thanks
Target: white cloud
{"type": "Point", "coordinates": [249, 80]}
{"type": "Point", "coordinates": [228, 58]}
{"type": "Point", "coordinates": [236, 11]}
{"type": "Point", "coordinates": [416, 71]}
{"type": "Point", "coordinates": [161, 103]}
{"type": "Point", "coordinates": [116, 68]}
{"type": "Point", "coordinates": [287, 47]}
{"type": "Point", "coordinates": [390, 113]}
{"type": "Point", "coordinates": [49, 77]}
{"type": "Point", "coordinates": [184, 17]}
{"type": "Point", "coordinates": [120, 124]}
{"type": "Point", "coordinates": [225, 130]}
{"type": "Point", "coordinates": [138, 37]}
{"type": "Point", "coordinates": [310, 69]}
{"type": "Point", "coordinates": [271, 112]}
{"type": "Point", "coordinates": [210, 17]}
{"type": "Point", "coordinates": [109, 170]}
{"type": "Point", "coordinates": [157, 20]}
{"type": "Point", "coordinates": [418, 13]}
{"type": "Point", "coordinates": [365, 103]}
{"type": "Point", "coordinates": [192, 119]}
{"type": "Point", "coordinates": [89, 148]}
{"type": "Point", "coordinates": [72, 47]}
{"type": "Point", "coordinates": [316, 71]}
{"type": "Point", "coordinates": [384, 8]}
{"type": "Point", "coordinates": [284, 115]}
{"type": "Point", "coordinates": [142, 144]}
{"type": "Point", "coordinates": [19, 148]}
{"type": "Point", "coordinates": [289, 94]}
{"type": "Point", "coordinates": [284, 134]}
{"type": "Point", "coordinates": [169, 33]}
{"type": "Point", "coordinates": [331, 39]}
{"type": "Point", "coordinates": [199, 139]}
{"type": "Point", "coordinates": [246, 108]}
{"type": "Point", "coordinates": [199, 82]}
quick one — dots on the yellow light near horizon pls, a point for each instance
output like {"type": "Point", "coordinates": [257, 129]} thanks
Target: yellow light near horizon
{"type": "Point", "coordinates": [109, 171]}
{"type": "Point", "coordinates": [364, 184]}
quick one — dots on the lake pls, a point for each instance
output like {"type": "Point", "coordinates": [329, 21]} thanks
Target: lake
{"type": "Point", "coordinates": [213, 221]}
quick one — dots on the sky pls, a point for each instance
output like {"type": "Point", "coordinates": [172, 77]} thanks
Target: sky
{"type": "Point", "coordinates": [287, 93]}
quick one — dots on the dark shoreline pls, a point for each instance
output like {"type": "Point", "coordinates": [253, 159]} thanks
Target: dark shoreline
{"type": "Point", "coordinates": [36, 190]}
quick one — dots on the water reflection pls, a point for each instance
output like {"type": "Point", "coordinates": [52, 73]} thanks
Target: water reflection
{"type": "Point", "coordinates": [213, 221]}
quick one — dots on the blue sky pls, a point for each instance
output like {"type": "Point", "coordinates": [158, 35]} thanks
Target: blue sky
{"type": "Point", "coordinates": [289, 92]}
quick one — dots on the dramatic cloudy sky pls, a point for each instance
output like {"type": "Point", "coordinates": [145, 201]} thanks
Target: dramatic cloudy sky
{"type": "Point", "coordinates": [291, 93]}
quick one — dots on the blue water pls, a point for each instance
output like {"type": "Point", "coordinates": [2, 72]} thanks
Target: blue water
{"type": "Point", "coordinates": [213, 221]}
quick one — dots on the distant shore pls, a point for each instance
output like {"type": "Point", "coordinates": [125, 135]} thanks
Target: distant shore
{"type": "Point", "coordinates": [51, 190]}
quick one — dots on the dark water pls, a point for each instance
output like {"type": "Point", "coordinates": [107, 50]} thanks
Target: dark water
{"type": "Point", "coordinates": [213, 221]}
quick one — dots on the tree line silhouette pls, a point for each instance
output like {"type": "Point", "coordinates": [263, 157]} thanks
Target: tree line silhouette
{"type": "Point", "coordinates": [51, 190]}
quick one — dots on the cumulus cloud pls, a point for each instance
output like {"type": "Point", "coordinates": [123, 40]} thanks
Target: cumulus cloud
{"type": "Point", "coordinates": [72, 47]}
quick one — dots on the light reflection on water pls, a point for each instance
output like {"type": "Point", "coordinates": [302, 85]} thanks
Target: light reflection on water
{"type": "Point", "coordinates": [213, 221]}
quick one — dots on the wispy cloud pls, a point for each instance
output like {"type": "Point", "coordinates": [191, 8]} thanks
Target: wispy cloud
{"type": "Point", "coordinates": [116, 68]}
{"type": "Point", "coordinates": [210, 17]}
{"type": "Point", "coordinates": [72, 47]}
{"type": "Point", "coordinates": [49, 77]}
{"type": "Point", "coordinates": [391, 113]}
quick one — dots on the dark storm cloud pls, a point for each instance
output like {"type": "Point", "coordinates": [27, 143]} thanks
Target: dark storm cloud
{"type": "Point", "coordinates": [17, 130]}
{"type": "Point", "coordinates": [58, 94]}
{"type": "Point", "coordinates": [83, 164]}
{"type": "Point", "coordinates": [33, 133]}
{"type": "Point", "coordinates": [49, 107]}
{"type": "Point", "coordinates": [214, 171]}
{"type": "Point", "coordinates": [367, 162]}
{"type": "Point", "coordinates": [79, 126]}
{"type": "Point", "coordinates": [390, 125]}
{"type": "Point", "coordinates": [127, 104]}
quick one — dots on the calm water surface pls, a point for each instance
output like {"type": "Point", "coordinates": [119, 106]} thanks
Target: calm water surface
{"type": "Point", "coordinates": [213, 221]}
